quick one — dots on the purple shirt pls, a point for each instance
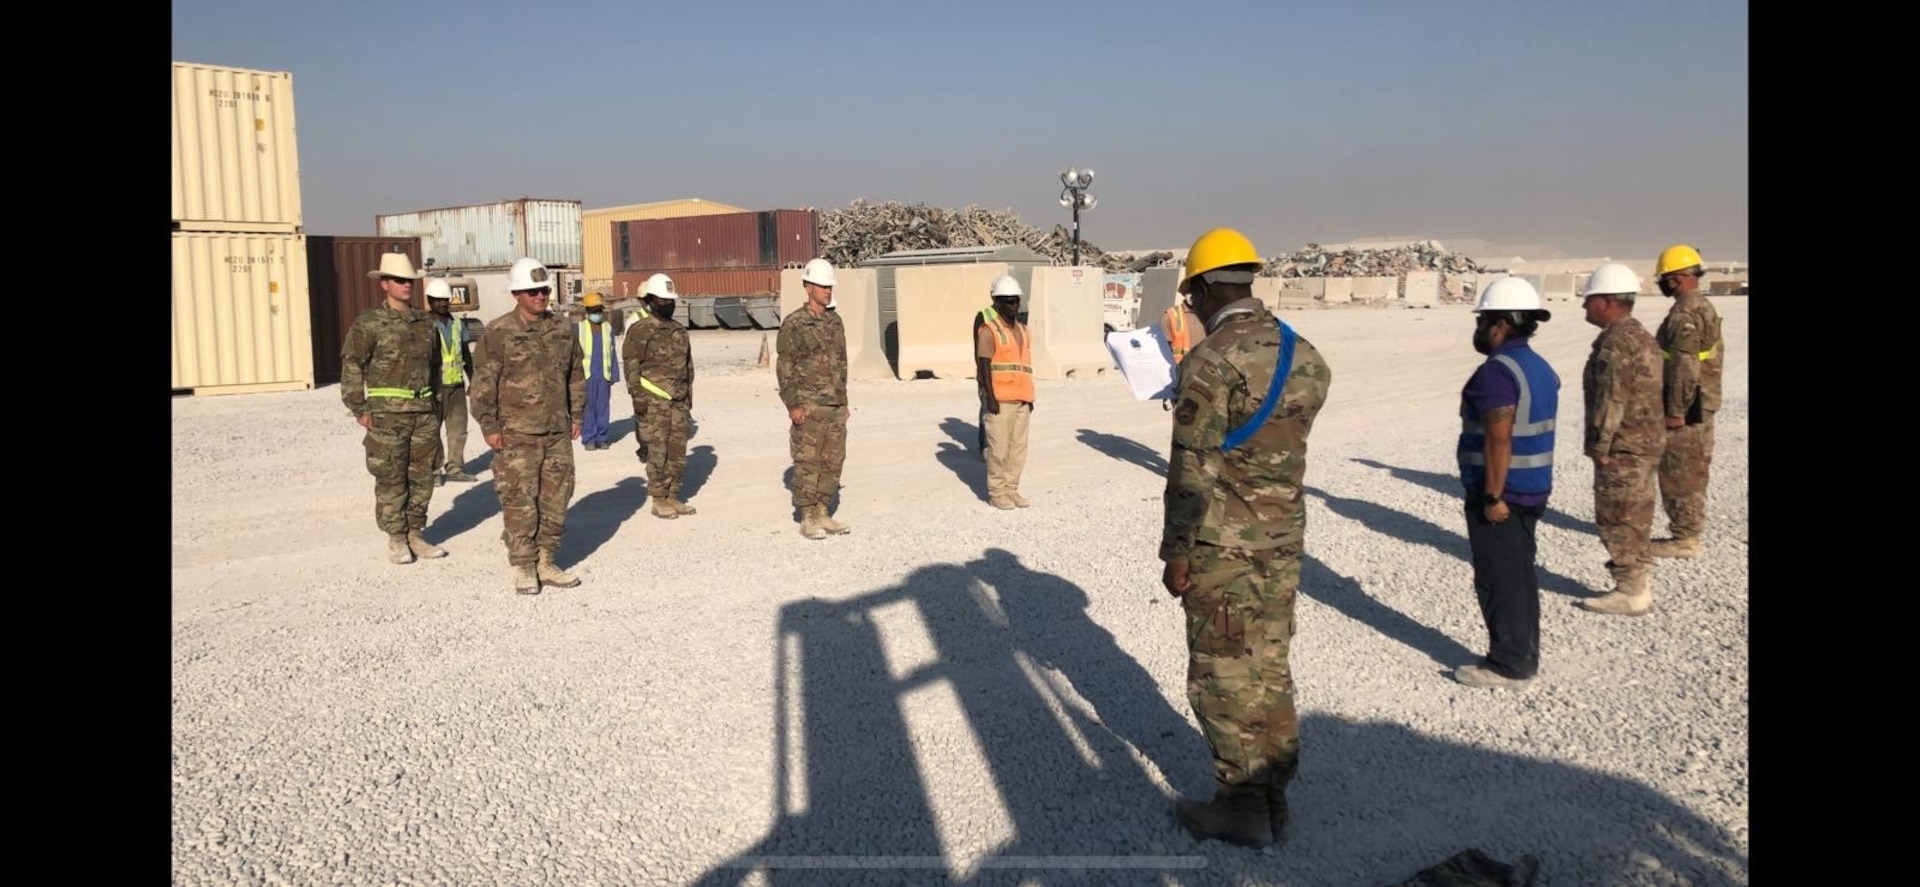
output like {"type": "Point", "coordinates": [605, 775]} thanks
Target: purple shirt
{"type": "Point", "coordinates": [1492, 386]}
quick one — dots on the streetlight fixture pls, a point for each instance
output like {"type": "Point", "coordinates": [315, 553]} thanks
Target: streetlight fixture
{"type": "Point", "coordinates": [1075, 195]}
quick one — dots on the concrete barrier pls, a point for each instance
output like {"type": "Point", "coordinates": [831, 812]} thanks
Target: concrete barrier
{"type": "Point", "coordinates": [1560, 287]}
{"type": "Point", "coordinates": [1269, 291]}
{"type": "Point", "coordinates": [1302, 292]}
{"type": "Point", "coordinates": [1339, 290]}
{"type": "Point", "coordinates": [1374, 289]}
{"type": "Point", "coordinates": [937, 304]}
{"type": "Point", "coordinates": [1064, 315]}
{"type": "Point", "coordinates": [856, 296]}
{"type": "Point", "coordinates": [1422, 289]}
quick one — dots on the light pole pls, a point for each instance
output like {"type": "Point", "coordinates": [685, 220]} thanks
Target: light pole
{"type": "Point", "coordinates": [1075, 195]}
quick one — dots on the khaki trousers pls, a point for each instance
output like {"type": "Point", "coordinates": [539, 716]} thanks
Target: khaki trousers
{"type": "Point", "coordinates": [1006, 448]}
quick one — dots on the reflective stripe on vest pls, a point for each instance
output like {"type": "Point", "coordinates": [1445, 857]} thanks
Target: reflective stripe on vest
{"type": "Point", "coordinates": [1177, 332]}
{"type": "Point", "coordinates": [606, 351]}
{"type": "Point", "coordinates": [402, 393]}
{"type": "Point", "coordinates": [653, 389]}
{"type": "Point", "coordinates": [452, 369]}
{"type": "Point", "coordinates": [1704, 355]}
{"type": "Point", "coordinates": [1012, 363]}
{"type": "Point", "coordinates": [1530, 467]}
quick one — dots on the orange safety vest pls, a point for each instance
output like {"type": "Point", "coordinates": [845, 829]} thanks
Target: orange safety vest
{"type": "Point", "coordinates": [1012, 362]}
{"type": "Point", "coordinates": [1176, 323]}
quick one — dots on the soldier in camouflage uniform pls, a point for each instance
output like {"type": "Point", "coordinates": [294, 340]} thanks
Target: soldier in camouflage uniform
{"type": "Point", "coordinates": [1694, 355]}
{"type": "Point", "coordinates": [812, 371]}
{"type": "Point", "coordinates": [389, 365]}
{"type": "Point", "coordinates": [658, 361]}
{"type": "Point", "coordinates": [1232, 540]}
{"type": "Point", "coordinates": [529, 392]}
{"type": "Point", "coordinates": [1624, 437]}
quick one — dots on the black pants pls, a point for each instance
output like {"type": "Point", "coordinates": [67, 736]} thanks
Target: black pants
{"type": "Point", "coordinates": [1508, 586]}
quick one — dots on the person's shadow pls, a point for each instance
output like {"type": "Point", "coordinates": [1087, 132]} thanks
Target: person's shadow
{"type": "Point", "coordinates": [1408, 528]}
{"type": "Point", "coordinates": [619, 429]}
{"type": "Point", "coordinates": [471, 507]}
{"type": "Point", "coordinates": [1321, 583]}
{"type": "Point", "coordinates": [595, 517]}
{"type": "Point", "coordinates": [700, 464]}
{"type": "Point", "coordinates": [1449, 486]}
{"type": "Point", "coordinates": [1125, 449]}
{"type": "Point", "coordinates": [959, 458]}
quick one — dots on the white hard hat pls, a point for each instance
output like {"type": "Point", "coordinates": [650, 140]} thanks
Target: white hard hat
{"type": "Point", "coordinates": [1509, 294]}
{"type": "Point", "coordinates": [529, 274]}
{"type": "Point", "coordinates": [437, 288]}
{"type": "Point", "coordinates": [819, 273]}
{"type": "Point", "coordinates": [1611, 279]}
{"type": "Point", "coordinates": [661, 286]}
{"type": "Point", "coordinates": [1005, 285]}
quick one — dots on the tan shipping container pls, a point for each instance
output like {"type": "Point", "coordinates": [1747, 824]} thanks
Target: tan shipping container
{"type": "Point", "coordinates": [241, 318]}
{"type": "Point", "coordinates": [235, 156]}
{"type": "Point", "coordinates": [596, 229]}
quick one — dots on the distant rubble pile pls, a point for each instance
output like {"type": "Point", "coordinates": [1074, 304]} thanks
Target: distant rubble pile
{"type": "Point", "coordinates": [1316, 262]}
{"type": "Point", "coordinates": [865, 230]}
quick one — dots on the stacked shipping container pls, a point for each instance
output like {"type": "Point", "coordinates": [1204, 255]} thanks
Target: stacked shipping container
{"type": "Point", "coordinates": [340, 289]}
{"type": "Point", "coordinates": [596, 231]}
{"type": "Point", "coordinates": [241, 313]}
{"type": "Point", "coordinates": [481, 241]}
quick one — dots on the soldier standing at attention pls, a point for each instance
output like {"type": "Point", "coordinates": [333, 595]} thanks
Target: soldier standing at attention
{"type": "Point", "coordinates": [1690, 341]}
{"type": "Point", "coordinates": [812, 371]}
{"type": "Point", "coordinates": [1235, 523]}
{"type": "Point", "coordinates": [388, 362]}
{"type": "Point", "coordinates": [528, 393]}
{"type": "Point", "coordinates": [659, 363]}
{"type": "Point", "coordinates": [1626, 435]}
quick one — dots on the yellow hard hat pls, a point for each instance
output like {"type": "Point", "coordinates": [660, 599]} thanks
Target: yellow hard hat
{"type": "Point", "coordinates": [1216, 249]}
{"type": "Point", "coordinates": [1678, 257]}
{"type": "Point", "coordinates": [593, 300]}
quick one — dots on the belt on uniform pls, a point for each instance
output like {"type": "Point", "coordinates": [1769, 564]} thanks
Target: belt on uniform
{"type": "Point", "coordinates": [406, 393]}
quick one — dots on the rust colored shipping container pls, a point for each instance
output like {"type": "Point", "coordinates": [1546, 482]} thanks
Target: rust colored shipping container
{"type": "Point", "coordinates": [340, 289]}
{"type": "Point", "coordinates": [798, 235]}
{"type": "Point", "coordinates": [769, 239]}
{"type": "Point", "coordinates": [695, 283]}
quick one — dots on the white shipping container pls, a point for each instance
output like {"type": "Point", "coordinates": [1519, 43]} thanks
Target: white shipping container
{"type": "Point", "coordinates": [240, 313]}
{"type": "Point", "coordinates": [235, 155]}
{"type": "Point", "coordinates": [492, 235]}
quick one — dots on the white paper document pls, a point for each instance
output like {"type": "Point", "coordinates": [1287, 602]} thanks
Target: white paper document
{"type": "Point", "coordinates": [1145, 360]}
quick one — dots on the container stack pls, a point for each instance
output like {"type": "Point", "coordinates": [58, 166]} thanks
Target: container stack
{"type": "Point", "coordinates": [725, 267]}
{"type": "Point", "coordinates": [480, 242]}
{"type": "Point", "coordinates": [241, 317]}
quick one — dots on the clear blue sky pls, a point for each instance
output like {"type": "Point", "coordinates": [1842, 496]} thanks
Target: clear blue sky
{"type": "Point", "coordinates": [1608, 128]}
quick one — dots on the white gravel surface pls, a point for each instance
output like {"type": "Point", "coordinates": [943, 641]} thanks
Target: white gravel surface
{"type": "Point", "coordinates": [950, 694]}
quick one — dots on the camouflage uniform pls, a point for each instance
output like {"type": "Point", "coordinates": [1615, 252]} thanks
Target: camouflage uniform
{"type": "Point", "coordinates": [1239, 520]}
{"type": "Point", "coordinates": [389, 365]}
{"type": "Point", "coordinates": [1690, 340]}
{"type": "Point", "coordinates": [812, 371]}
{"type": "Point", "coordinates": [528, 387]}
{"type": "Point", "coordinates": [1622, 388]}
{"type": "Point", "coordinates": [657, 353]}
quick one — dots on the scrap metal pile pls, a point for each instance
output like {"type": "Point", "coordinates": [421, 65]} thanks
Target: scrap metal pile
{"type": "Point", "coordinates": [864, 230]}
{"type": "Point", "coordinates": [1316, 262]}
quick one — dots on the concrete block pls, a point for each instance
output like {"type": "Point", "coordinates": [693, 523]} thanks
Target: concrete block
{"type": "Point", "coordinates": [1064, 314]}
{"type": "Point", "coordinates": [1339, 290]}
{"type": "Point", "coordinates": [937, 304]}
{"type": "Point", "coordinates": [1422, 289]}
{"type": "Point", "coordinates": [1302, 292]}
{"type": "Point", "coordinates": [1560, 287]}
{"type": "Point", "coordinates": [856, 296]}
{"type": "Point", "coordinates": [1267, 290]}
{"type": "Point", "coordinates": [1374, 289]}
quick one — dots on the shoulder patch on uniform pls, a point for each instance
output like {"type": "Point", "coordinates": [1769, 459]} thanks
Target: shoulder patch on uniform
{"type": "Point", "coordinates": [1187, 411]}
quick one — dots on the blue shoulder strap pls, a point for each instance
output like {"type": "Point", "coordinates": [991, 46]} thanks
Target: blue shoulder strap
{"type": "Point", "coordinates": [1238, 436]}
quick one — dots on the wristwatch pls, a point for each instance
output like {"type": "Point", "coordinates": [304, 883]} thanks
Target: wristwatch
{"type": "Point", "coordinates": [1489, 499]}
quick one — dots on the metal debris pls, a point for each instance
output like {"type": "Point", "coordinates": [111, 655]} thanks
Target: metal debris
{"type": "Point", "coordinates": [863, 230]}
{"type": "Point", "coordinates": [1423, 256]}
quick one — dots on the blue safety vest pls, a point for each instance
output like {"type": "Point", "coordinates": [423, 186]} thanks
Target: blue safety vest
{"type": "Point", "coordinates": [1531, 468]}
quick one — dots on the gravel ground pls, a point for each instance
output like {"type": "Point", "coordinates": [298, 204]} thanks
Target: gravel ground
{"type": "Point", "coordinates": [950, 694]}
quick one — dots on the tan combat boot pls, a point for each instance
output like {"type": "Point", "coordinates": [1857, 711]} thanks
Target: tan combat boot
{"type": "Point", "coordinates": [1019, 501]}
{"type": "Point", "coordinates": [553, 575]}
{"type": "Point", "coordinates": [1001, 502]}
{"type": "Point", "coordinates": [1237, 814]}
{"type": "Point", "coordinates": [397, 550]}
{"type": "Point", "coordinates": [1629, 597]}
{"type": "Point", "coordinates": [810, 522]}
{"type": "Point", "coordinates": [524, 580]}
{"type": "Point", "coordinates": [663, 509]}
{"type": "Point", "coordinates": [682, 507]}
{"type": "Point", "coordinates": [421, 547]}
{"type": "Point", "coordinates": [1688, 546]}
{"type": "Point", "coordinates": [828, 523]}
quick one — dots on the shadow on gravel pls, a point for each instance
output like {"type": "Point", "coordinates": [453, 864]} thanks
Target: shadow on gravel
{"type": "Point", "coordinates": [1346, 595]}
{"type": "Point", "coordinates": [966, 466]}
{"type": "Point", "coordinates": [472, 506]}
{"type": "Point", "coordinates": [907, 721]}
{"type": "Point", "coordinates": [1125, 449]}
{"type": "Point", "coordinates": [618, 429]}
{"type": "Point", "coordinates": [594, 518]}
{"type": "Point", "coordinates": [1419, 531]}
{"type": "Point", "coordinates": [1046, 722]}
{"type": "Point", "coordinates": [1449, 486]}
{"type": "Point", "coordinates": [480, 463]}
{"type": "Point", "coordinates": [974, 435]}
{"type": "Point", "coordinates": [700, 464]}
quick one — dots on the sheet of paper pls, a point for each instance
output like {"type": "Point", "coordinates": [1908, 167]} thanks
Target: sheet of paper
{"type": "Point", "coordinates": [1145, 361]}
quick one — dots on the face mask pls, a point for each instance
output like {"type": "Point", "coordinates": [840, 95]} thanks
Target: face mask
{"type": "Point", "coordinates": [596, 317]}
{"type": "Point", "coordinates": [664, 309]}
